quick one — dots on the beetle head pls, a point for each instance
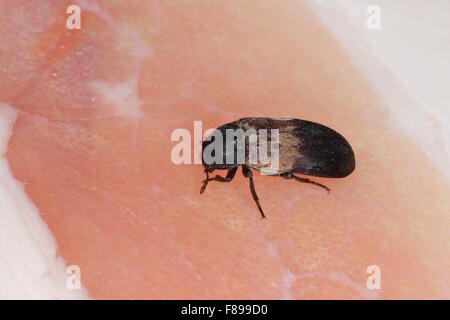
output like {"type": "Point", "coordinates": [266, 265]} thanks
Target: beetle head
{"type": "Point", "coordinates": [216, 154]}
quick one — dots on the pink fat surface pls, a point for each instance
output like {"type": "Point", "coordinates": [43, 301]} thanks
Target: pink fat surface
{"type": "Point", "coordinates": [92, 147]}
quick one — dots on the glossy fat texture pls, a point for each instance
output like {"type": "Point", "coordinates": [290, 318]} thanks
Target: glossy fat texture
{"type": "Point", "coordinates": [306, 147]}
{"type": "Point", "coordinates": [134, 221]}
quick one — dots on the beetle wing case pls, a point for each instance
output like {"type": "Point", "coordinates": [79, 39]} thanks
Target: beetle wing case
{"type": "Point", "coordinates": [306, 147]}
{"type": "Point", "coordinates": [325, 153]}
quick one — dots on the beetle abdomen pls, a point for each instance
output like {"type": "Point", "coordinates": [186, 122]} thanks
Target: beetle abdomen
{"type": "Point", "coordinates": [307, 147]}
{"type": "Point", "coordinates": [322, 151]}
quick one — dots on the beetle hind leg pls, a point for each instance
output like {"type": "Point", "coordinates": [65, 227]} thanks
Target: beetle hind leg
{"type": "Point", "coordinates": [230, 175]}
{"type": "Point", "coordinates": [248, 174]}
{"type": "Point", "coordinates": [289, 175]}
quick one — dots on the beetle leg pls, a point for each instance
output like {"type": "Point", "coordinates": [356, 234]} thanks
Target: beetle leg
{"type": "Point", "coordinates": [205, 182]}
{"type": "Point", "coordinates": [247, 173]}
{"type": "Point", "coordinates": [230, 175]}
{"type": "Point", "coordinates": [289, 175]}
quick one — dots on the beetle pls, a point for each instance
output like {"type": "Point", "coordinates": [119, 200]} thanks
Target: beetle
{"type": "Point", "coordinates": [305, 148]}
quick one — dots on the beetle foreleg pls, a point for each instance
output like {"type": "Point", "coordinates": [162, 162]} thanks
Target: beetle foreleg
{"type": "Point", "coordinates": [247, 173]}
{"type": "Point", "coordinates": [230, 175]}
{"type": "Point", "coordinates": [289, 175]}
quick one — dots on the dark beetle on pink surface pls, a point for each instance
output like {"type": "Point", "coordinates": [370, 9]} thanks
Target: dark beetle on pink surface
{"type": "Point", "coordinates": [305, 147]}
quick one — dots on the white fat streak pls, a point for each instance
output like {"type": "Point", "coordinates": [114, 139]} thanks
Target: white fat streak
{"type": "Point", "coordinates": [93, 6]}
{"type": "Point", "coordinates": [122, 96]}
{"type": "Point", "coordinates": [409, 78]}
{"type": "Point", "coordinates": [288, 278]}
{"type": "Point", "coordinates": [29, 265]}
